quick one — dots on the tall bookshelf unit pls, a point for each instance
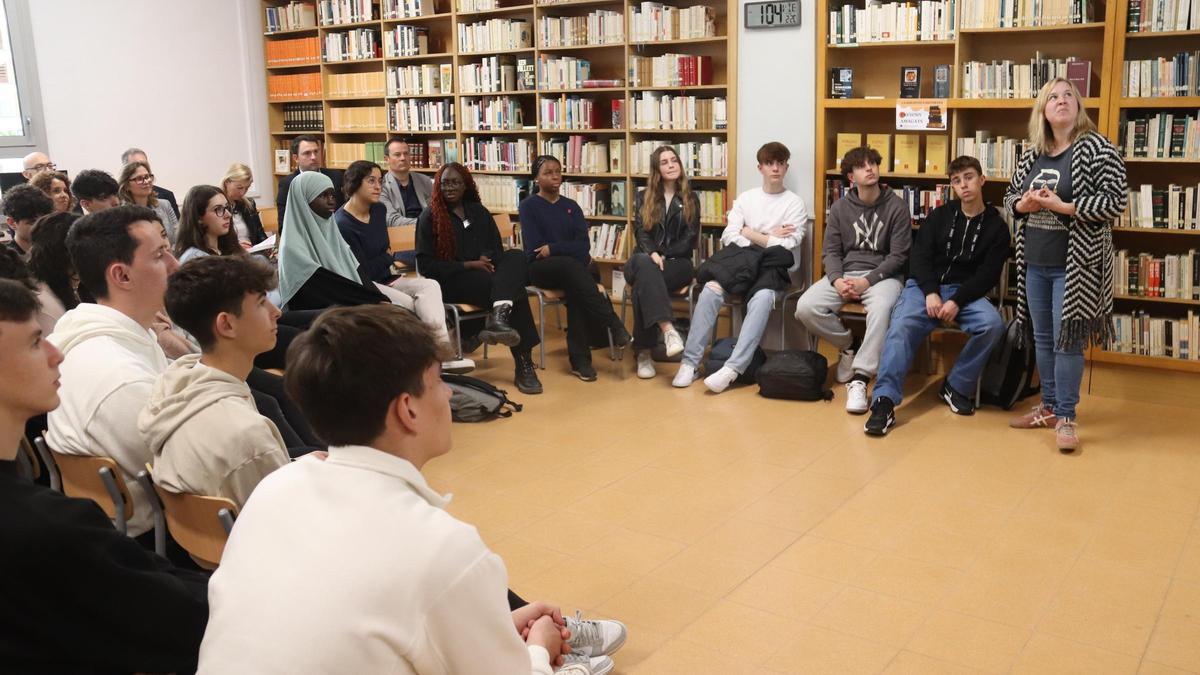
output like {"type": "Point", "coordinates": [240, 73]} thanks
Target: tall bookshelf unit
{"type": "Point", "coordinates": [609, 60]}
{"type": "Point", "coordinates": [1144, 45]}
{"type": "Point", "coordinates": [1103, 40]}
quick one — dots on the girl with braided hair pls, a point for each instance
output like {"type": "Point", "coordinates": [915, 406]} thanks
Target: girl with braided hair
{"type": "Point", "coordinates": [459, 246]}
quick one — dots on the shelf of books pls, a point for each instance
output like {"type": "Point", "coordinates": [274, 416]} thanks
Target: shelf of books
{"type": "Point", "coordinates": [493, 83]}
{"type": "Point", "coordinates": [1154, 106]}
{"type": "Point", "coordinates": [1137, 63]}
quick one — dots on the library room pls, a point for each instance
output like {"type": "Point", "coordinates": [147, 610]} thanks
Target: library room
{"type": "Point", "coordinates": [600, 337]}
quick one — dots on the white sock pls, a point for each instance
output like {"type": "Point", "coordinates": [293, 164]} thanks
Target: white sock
{"type": "Point", "coordinates": [501, 303]}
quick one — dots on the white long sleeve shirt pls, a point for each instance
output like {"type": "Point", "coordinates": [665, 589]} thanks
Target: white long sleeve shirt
{"type": "Point", "coordinates": [763, 212]}
{"type": "Point", "coordinates": [352, 565]}
{"type": "Point", "coordinates": [109, 368]}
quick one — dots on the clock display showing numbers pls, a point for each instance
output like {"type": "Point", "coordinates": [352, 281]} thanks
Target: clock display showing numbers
{"type": "Point", "coordinates": [772, 14]}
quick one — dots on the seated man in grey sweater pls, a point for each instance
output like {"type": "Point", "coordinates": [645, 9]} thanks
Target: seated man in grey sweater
{"type": "Point", "coordinates": [867, 238]}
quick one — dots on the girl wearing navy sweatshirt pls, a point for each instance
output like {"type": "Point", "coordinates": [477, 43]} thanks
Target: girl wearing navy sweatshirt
{"type": "Point", "coordinates": [556, 243]}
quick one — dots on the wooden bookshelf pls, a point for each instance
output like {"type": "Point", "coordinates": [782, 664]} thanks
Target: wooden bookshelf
{"type": "Point", "coordinates": [609, 61]}
{"type": "Point", "coordinates": [1104, 41]}
{"type": "Point", "coordinates": [1158, 172]}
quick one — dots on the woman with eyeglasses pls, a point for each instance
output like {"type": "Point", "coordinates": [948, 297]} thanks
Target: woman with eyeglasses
{"type": "Point", "coordinates": [136, 186]}
{"type": "Point", "coordinates": [206, 225]}
{"type": "Point", "coordinates": [459, 245]}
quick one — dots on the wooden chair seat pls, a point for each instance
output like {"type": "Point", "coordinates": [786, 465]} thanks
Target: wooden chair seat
{"type": "Point", "coordinates": [98, 479]}
{"type": "Point", "coordinates": [467, 309]}
{"type": "Point", "coordinates": [854, 308]}
{"type": "Point", "coordinates": [196, 523]}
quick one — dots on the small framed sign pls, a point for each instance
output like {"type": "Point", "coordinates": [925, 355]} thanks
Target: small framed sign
{"type": "Point", "coordinates": [779, 14]}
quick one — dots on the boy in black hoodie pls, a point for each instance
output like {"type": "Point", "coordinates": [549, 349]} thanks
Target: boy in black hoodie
{"type": "Point", "coordinates": [79, 597]}
{"type": "Point", "coordinates": [956, 259]}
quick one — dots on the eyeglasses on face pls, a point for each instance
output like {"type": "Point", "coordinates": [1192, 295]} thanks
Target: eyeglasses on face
{"type": "Point", "coordinates": [45, 166]}
{"type": "Point", "coordinates": [221, 210]}
{"type": "Point", "coordinates": [452, 182]}
{"type": "Point", "coordinates": [142, 179]}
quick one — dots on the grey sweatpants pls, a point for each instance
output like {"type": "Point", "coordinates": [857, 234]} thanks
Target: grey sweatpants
{"type": "Point", "coordinates": [817, 309]}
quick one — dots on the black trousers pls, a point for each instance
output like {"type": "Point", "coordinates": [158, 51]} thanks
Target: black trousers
{"type": "Point", "coordinates": [477, 287]}
{"type": "Point", "coordinates": [589, 312]}
{"type": "Point", "coordinates": [291, 325]}
{"type": "Point", "coordinates": [274, 404]}
{"type": "Point", "coordinates": [651, 293]}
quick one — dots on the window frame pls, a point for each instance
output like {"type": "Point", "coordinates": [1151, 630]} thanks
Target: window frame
{"type": "Point", "coordinates": [29, 94]}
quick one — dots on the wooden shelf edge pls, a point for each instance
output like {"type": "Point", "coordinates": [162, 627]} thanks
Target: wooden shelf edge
{"type": "Point", "coordinates": [1159, 362]}
{"type": "Point", "coordinates": [1157, 230]}
{"type": "Point", "coordinates": [1155, 299]}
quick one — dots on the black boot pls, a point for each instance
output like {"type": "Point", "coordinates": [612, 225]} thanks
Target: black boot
{"type": "Point", "coordinates": [620, 336]}
{"type": "Point", "coordinates": [526, 377]}
{"type": "Point", "coordinates": [497, 330]}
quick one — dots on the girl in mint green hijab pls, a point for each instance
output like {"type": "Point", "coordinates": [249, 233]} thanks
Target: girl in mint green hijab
{"type": "Point", "coordinates": [311, 241]}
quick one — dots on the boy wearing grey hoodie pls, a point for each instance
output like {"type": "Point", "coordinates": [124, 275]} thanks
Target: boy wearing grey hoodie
{"type": "Point", "coordinates": [200, 421]}
{"type": "Point", "coordinates": [866, 242]}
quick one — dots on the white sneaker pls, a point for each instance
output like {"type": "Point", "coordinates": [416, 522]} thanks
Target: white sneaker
{"type": "Point", "coordinates": [458, 366]}
{"type": "Point", "coordinates": [577, 663]}
{"type": "Point", "coordinates": [645, 365]}
{"type": "Point", "coordinates": [845, 368]}
{"type": "Point", "coordinates": [856, 397]}
{"type": "Point", "coordinates": [595, 637]}
{"type": "Point", "coordinates": [685, 377]}
{"type": "Point", "coordinates": [720, 380]}
{"type": "Point", "coordinates": [674, 343]}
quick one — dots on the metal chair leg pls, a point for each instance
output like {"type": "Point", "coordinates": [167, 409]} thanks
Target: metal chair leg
{"type": "Point", "coordinates": [114, 493]}
{"type": "Point", "coordinates": [226, 519]}
{"type": "Point", "coordinates": [542, 331]}
{"type": "Point", "coordinates": [160, 518]}
{"type": "Point", "coordinates": [43, 451]}
{"type": "Point", "coordinates": [457, 329]}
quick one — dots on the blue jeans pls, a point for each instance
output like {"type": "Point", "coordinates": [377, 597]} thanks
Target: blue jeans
{"type": "Point", "coordinates": [909, 327]}
{"type": "Point", "coordinates": [704, 319]}
{"type": "Point", "coordinates": [1061, 370]}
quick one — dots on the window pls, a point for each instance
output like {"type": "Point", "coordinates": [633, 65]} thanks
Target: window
{"type": "Point", "coordinates": [20, 101]}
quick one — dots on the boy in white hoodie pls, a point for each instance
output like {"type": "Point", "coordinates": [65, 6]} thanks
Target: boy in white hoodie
{"type": "Point", "coordinates": [201, 422]}
{"type": "Point", "coordinates": [112, 356]}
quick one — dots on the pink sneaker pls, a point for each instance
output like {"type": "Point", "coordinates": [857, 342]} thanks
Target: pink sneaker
{"type": "Point", "coordinates": [1040, 416]}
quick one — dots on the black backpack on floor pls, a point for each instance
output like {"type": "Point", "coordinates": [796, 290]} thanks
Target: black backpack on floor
{"type": "Point", "coordinates": [474, 400]}
{"type": "Point", "coordinates": [1010, 373]}
{"type": "Point", "coordinates": [720, 353]}
{"type": "Point", "coordinates": [795, 374]}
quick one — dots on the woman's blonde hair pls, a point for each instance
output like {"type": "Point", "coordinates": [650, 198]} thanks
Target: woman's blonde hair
{"type": "Point", "coordinates": [1041, 136]}
{"type": "Point", "coordinates": [123, 184]}
{"type": "Point", "coordinates": [237, 172]}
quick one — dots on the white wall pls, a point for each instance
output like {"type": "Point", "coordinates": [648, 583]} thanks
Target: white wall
{"type": "Point", "coordinates": [181, 79]}
{"type": "Point", "coordinates": [776, 99]}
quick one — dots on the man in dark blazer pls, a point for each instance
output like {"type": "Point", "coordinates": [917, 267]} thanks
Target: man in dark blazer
{"type": "Point", "coordinates": [308, 155]}
{"type": "Point", "coordinates": [139, 155]}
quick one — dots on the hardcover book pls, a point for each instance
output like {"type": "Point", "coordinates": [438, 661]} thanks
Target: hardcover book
{"type": "Point", "coordinates": [841, 82]}
{"type": "Point", "coordinates": [846, 143]}
{"type": "Point", "coordinates": [881, 143]}
{"type": "Point", "coordinates": [941, 81]}
{"type": "Point", "coordinates": [936, 147]}
{"type": "Point", "coordinates": [1079, 73]}
{"type": "Point", "coordinates": [908, 151]}
{"type": "Point", "coordinates": [910, 82]}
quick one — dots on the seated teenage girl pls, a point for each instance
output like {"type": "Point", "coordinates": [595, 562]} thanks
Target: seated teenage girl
{"type": "Point", "coordinates": [556, 245]}
{"type": "Point", "coordinates": [459, 246]}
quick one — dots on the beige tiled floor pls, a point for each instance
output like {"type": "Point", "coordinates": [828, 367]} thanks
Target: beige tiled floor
{"type": "Point", "coordinates": [734, 534]}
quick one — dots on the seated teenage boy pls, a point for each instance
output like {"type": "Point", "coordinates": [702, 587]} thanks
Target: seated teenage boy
{"type": "Point", "coordinates": [867, 237]}
{"type": "Point", "coordinates": [201, 422]}
{"type": "Point", "coordinates": [111, 354]}
{"type": "Point", "coordinates": [391, 582]}
{"type": "Point", "coordinates": [770, 217]}
{"type": "Point", "coordinates": [956, 259]}
{"type": "Point", "coordinates": [78, 596]}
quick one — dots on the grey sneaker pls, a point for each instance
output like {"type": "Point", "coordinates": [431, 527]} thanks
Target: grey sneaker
{"type": "Point", "coordinates": [645, 365]}
{"type": "Point", "coordinates": [1066, 435]}
{"type": "Point", "coordinates": [595, 637]}
{"type": "Point", "coordinates": [673, 342]}
{"type": "Point", "coordinates": [597, 665]}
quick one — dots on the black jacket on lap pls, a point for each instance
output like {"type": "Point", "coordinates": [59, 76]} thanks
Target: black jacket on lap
{"type": "Point", "coordinates": [746, 270]}
{"type": "Point", "coordinates": [952, 249]}
{"type": "Point", "coordinates": [76, 596]}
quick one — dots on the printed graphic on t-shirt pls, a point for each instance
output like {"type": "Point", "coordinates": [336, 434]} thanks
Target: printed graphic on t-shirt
{"type": "Point", "coordinates": [1044, 218]}
{"type": "Point", "coordinates": [868, 232]}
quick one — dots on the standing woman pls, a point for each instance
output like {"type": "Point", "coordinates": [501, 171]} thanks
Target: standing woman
{"type": "Point", "coordinates": [206, 225]}
{"type": "Point", "coordinates": [136, 186]}
{"type": "Point", "coordinates": [1065, 194]}
{"type": "Point", "coordinates": [666, 220]}
{"type": "Point", "coordinates": [56, 187]}
{"type": "Point", "coordinates": [246, 222]}
{"type": "Point", "coordinates": [556, 244]}
{"type": "Point", "coordinates": [459, 246]}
